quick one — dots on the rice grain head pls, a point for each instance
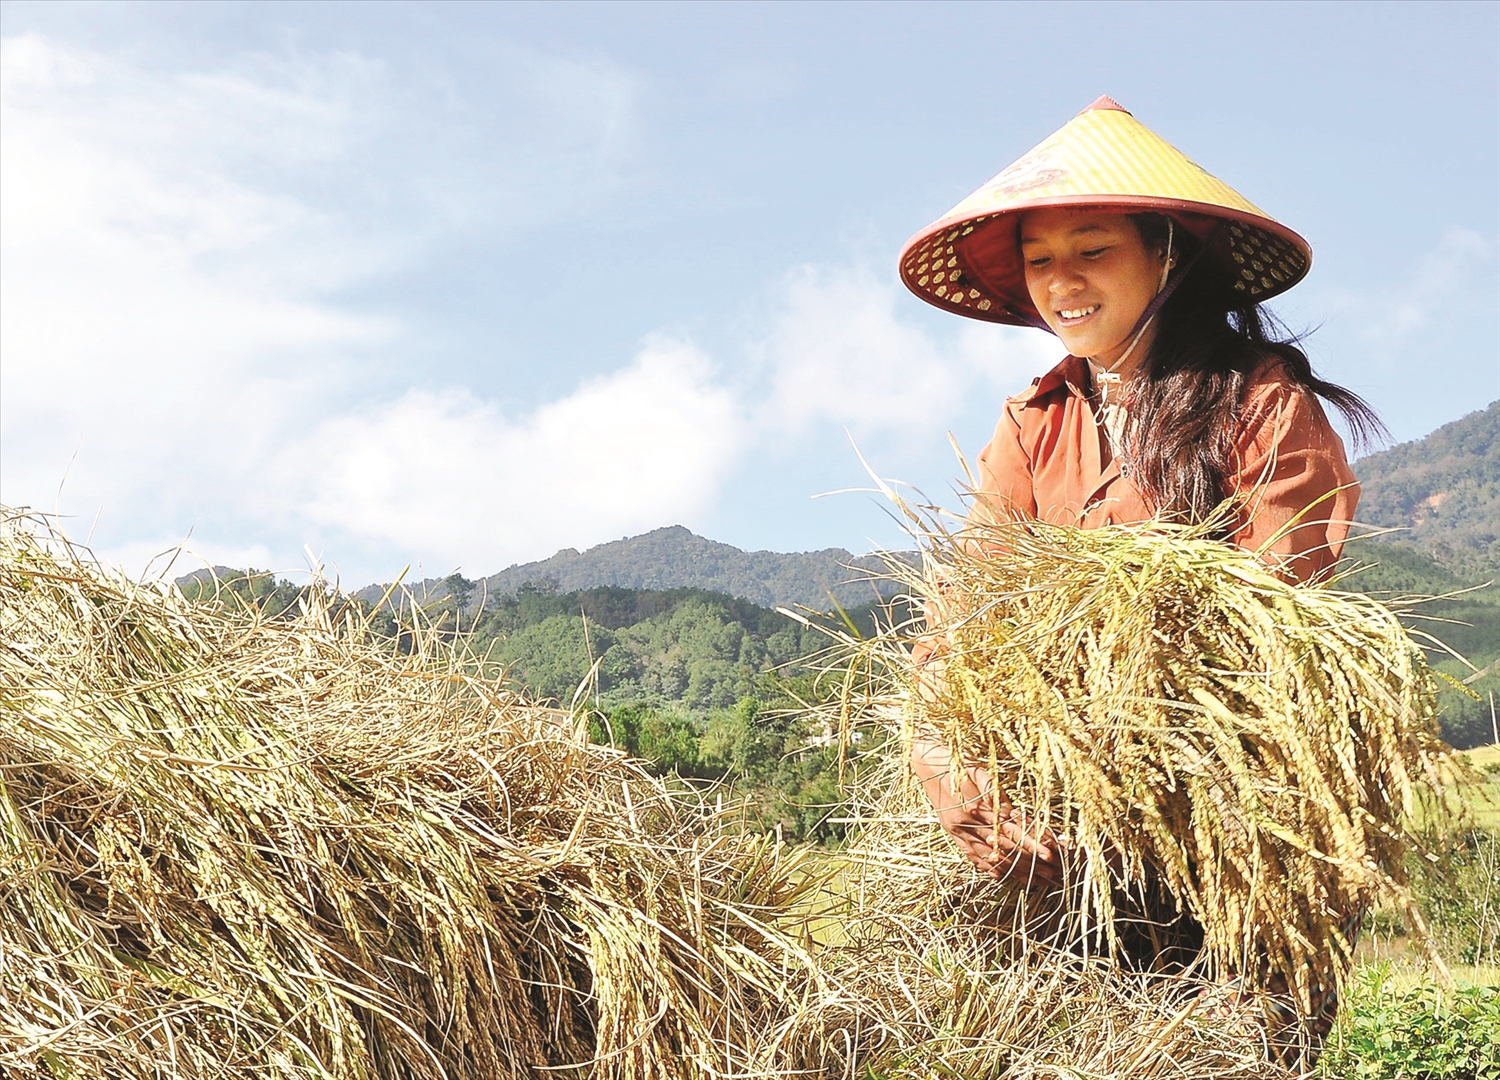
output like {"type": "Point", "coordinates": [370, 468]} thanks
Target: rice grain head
{"type": "Point", "coordinates": [1189, 719]}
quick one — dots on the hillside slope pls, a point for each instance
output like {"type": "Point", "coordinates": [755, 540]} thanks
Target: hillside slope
{"type": "Point", "coordinates": [1444, 491]}
{"type": "Point", "coordinates": [676, 558]}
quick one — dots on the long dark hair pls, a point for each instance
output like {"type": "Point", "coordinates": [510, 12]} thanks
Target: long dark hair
{"type": "Point", "coordinates": [1185, 405]}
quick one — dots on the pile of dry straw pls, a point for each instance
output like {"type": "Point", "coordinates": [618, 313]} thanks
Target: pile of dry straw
{"type": "Point", "coordinates": [238, 847]}
{"type": "Point", "coordinates": [233, 847]}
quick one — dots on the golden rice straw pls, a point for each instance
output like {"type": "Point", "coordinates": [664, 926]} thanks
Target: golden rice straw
{"type": "Point", "coordinates": [1186, 717]}
{"type": "Point", "coordinates": [242, 847]}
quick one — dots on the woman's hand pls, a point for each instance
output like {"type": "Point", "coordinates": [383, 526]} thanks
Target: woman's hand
{"type": "Point", "coordinates": [993, 834]}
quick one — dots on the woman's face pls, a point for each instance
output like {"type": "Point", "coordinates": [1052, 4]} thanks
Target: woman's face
{"type": "Point", "coordinates": [1090, 275]}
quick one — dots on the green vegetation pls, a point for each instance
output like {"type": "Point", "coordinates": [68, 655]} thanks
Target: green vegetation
{"type": "Point", "coordinates": [1467, 623]}
{"type": "Point", "coordinates": [1397, 1024]}
{"type": "Point", "coordinates": [677, 647]}
{"type": "Point", "coordinates": [1444, 490]}
{"type": "Point", "coordinates": [700, 684]}
{"type": "Point", "coordinates": [1414, 1033]}
{"type": "Point", "coordinates": [1456, 880]}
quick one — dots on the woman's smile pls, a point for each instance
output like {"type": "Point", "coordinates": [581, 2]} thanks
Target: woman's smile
{"type": "Point", "coordinates": [1075, 315]}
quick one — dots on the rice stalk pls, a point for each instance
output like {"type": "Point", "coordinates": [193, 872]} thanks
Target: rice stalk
{"type": "Point", "coordinates": [931, 970]}
{"type": "Point", "coordinates": [1214, 741]}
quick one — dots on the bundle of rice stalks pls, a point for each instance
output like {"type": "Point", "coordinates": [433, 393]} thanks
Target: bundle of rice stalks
{"type": "Point", "coordinates": [934, 1007]}
{"type": "Point", "coordinates": [240, 847]}
{"type": "Point", "coordinates": [1212, 740]}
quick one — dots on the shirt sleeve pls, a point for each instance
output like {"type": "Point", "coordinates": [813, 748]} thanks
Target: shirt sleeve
{"type": "Point", "coordinates": [1004, 489]}
{"type": "Point", "coordinates": [1299, 492]}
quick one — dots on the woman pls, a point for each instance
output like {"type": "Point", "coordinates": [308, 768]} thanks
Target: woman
{"type": "Point", "coordinates": [1174, 397]}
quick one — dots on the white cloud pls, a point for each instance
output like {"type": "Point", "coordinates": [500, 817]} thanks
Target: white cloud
{"type": "Point", "coordinates": [173, 244]}
{"type": "Point", "coordinates": [174, 247]}
{"type": "Point", "coordinates": [451, 476]}
{"type": "Point", "coordinates": [158, 321]}
{"type": "Point", "coordinates": [839, 353]}
{"type": "Point", "coordinates": [1459, 273]}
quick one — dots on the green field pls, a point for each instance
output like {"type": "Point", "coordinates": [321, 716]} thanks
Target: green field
{"type": "Point", "coordinates": [1482, 800]}
{"type": "Point", "coordinates": [1399, 1020]}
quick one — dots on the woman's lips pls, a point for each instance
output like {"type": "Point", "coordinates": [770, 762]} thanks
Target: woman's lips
{"type": "Point", "coordinates": [1072, 316]}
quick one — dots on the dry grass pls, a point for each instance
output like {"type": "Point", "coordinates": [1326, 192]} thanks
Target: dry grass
{"type": "Point", "coordinates": [234, 847]}
{"type": "Point", "coordinates": [929, 978]}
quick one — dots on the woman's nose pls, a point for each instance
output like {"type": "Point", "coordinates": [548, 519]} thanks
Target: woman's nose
{"type": "Point", "coordinates": [1065, 282]}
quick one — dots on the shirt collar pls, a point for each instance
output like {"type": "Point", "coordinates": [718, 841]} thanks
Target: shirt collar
{"type": "Point", "coordinates": [1072, 374]}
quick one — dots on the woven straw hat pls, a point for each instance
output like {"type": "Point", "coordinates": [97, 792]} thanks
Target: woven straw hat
{"type": "Point", "coordinates": [969, 260]}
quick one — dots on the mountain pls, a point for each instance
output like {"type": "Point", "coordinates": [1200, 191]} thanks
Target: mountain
{"type": "Point", "coordinates": [1443, 491]}
{"type": "Point", "coordinates": [673, 558]}
{"type": "Point", "coordinates": [208, 575]}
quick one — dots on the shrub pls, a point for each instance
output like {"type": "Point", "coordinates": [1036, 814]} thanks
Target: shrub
{"type": "Point", "coordinates": [1420, 1033]}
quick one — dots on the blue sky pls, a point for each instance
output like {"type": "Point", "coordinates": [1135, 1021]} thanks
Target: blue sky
{"type": "Point", "coordinates": [457, 285]}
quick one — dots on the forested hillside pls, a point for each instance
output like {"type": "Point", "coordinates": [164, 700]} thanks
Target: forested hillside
{"type": "Point", "coordinates": [1468, 622]}
{"type": "Point", "coordinates": [689, 647]}
{"type": "Point", "coordinates": [1443, 491]}
{"type": "Point", "coordinates": [675, 558]}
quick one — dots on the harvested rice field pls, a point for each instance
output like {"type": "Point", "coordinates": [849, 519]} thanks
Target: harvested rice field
{"type": "Point", "coordinates": [246, 847]}
{"type": "Point", "coordinates": [1482, 799]}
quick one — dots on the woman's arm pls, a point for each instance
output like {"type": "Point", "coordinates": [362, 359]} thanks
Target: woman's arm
{"type": "Point", "coordinates": [993, 834]}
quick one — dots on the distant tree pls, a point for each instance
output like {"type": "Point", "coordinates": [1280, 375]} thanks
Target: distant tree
{"type": "Point", "coordinates": [553, 657]}
{"type": "Point", "coordinates": [459, 589]}
{"type": "Point", "coordinates": [252, 589]}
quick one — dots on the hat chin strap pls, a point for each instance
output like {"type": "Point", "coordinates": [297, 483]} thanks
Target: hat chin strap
{"type": "Point", "coordinates": [1164, 291]}
{"type": "Point", "coordinates": [1109, 372]}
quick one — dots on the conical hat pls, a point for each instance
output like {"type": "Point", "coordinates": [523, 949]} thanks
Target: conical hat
{"type": "Point", "coordinates": [969, 260]}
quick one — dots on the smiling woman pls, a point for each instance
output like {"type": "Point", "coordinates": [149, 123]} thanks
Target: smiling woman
{"type": "Point", "coordinates": [1177, 402]}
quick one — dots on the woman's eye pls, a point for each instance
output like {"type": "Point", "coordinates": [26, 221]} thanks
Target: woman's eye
{"type": "Point", "coordinates": [1039, 262]}
{"type": "Point", "coordinates": [1094, 253]}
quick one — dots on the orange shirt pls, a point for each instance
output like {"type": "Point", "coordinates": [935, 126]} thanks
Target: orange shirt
{"type": "Point", "coordinates": [1050, 460]}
